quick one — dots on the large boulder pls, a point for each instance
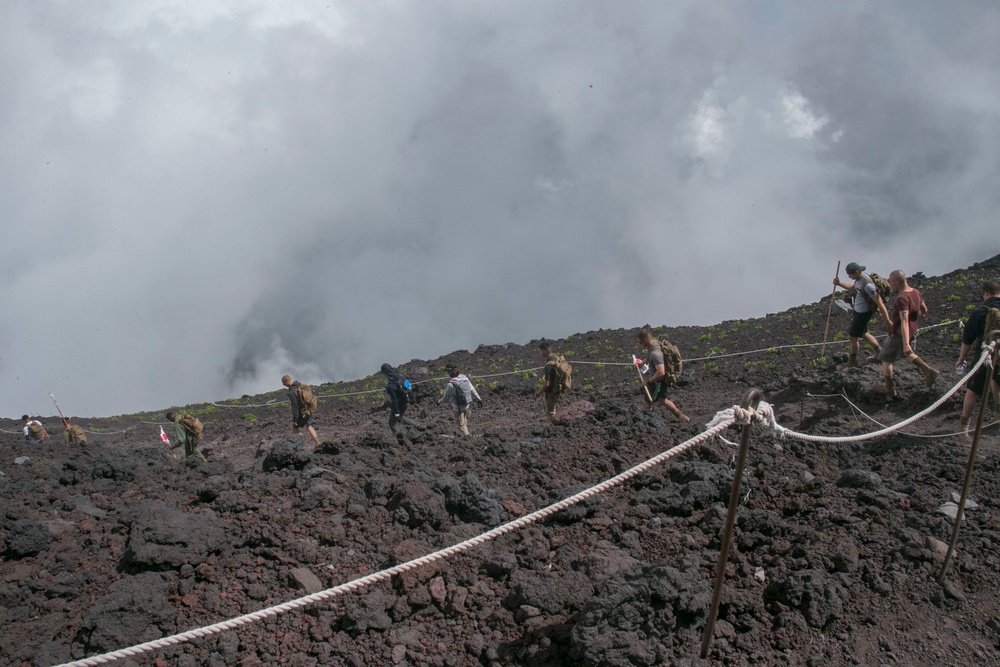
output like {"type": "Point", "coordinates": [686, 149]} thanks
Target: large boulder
{"type": "Point", "coordinates": [474, 503]}
{"type": "Point", "coordinates": [163, 537]}
{"type": "Point", "coordinates": [135, 610]}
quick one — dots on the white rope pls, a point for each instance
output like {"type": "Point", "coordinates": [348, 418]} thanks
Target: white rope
{"type": "Point", "coordinates": [398, 569]}
{"type": "Point", "coordinates": [783, 432]}
{"type": "Point", "coordinates": [875, 421]}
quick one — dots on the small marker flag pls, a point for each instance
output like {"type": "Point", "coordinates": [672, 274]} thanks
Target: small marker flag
{"type": "Point", "coordinates": [163, 436]}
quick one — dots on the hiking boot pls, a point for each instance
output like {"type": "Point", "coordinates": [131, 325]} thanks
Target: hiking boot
{"type": "Point", "coordinates": [885, 391]}
{"type": "Point", "coordinates": [873, 359]}
{"type": "Point", "coordinates": [852, 362]}
{"type": "Point", "coordinates": [930, 375]}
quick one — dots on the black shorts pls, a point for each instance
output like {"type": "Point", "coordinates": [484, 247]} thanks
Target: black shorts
{"type": "Point", "coordinates": [859, 324]}
{"type": "Point", "coordinates": [978, 381]}
{"type": "Point", "coordinates": [658, 389]}
{"type": "Point", "coordinates": [303, 422]}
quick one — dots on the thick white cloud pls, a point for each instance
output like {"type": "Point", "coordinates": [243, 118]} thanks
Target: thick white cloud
{"type": "Point", "coordinates": [199, 198]}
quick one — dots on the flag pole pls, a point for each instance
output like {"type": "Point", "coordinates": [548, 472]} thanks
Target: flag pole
{"type": "Point", "coordinates": [57, 406]}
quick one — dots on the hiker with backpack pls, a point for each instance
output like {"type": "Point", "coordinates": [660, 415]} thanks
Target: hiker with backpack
{"type": "Point", "coordinates": [556, 380]}
{"type": "Point", "coordinates": [982, 320]}
{"type": "Point", "coordinates": [460, 393]}
{"type": "Point", "coordinates": [73, 433]}
{"type": "Point", "coordinates": [665, 364]}
{"type": "Point", "coordinates": [303, 406]}
{"type": "Point", "coordinates": [188, 429]}
{"type": "Point", "coordinates": [398, 388]}
{"type": "Point", "coordinates": [34, 432]}
{"type": "Point", "coordinates": [907, 309]}
{"type": "Point", "coordinates": [870, 292]}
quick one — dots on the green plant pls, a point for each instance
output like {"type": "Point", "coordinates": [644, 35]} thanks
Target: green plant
{"type": "Point", "coordinates": [840, 335]}
{"type": "Point", "coordinates": [953, 297]}
{"type": "Point", "coordinates": [250, 418]}
{"type": "Point", "coordinates": [959, 283]}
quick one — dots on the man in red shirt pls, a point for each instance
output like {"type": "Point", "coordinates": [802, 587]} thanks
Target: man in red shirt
{"type": "Point", "coordinates": [907, 309]}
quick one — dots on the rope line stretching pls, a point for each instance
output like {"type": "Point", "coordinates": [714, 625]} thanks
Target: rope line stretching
{"type": "Point", "coordinates": [403, 567]}
{"type": "Point", "coordinates": [765, 413]}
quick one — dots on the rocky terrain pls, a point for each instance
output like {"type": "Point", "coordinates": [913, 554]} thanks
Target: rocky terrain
{"type": "Point", "coordinates": [834, 561]}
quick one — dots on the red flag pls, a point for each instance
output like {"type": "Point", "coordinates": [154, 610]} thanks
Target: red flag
{"type": "Point", "coordinates": [163, 436]}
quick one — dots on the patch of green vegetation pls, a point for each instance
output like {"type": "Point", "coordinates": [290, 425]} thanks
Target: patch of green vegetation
{"type": "Point", "coordinates": [840, 335]}
{"type": "Point", "coordinates": [493, 386]}
{"type": "Point", "coordinates": [955, 338]}
{"type": "Point", "coordinates": [959, 283]}
{"type": "Point", "coordinates": [705, 337]}
{"type": "Point", "coordinates": [819, 361]}
{"type": "Point", "coordinates": [808, 325]}
{"type": "Point", "coordinates": [250, 418]}
{"type": "Point", "coordinates": [953, 297]}
{"type": "Point", "coordinates": [971, 307]}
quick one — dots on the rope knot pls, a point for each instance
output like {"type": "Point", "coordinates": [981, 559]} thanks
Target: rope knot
{"type": "Point", "coordinates": [742, 416]}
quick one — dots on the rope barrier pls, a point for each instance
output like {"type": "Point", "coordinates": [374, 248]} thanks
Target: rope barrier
{"type": "Point", "coordinates": [783, 432]}
{"type": "Point", "coordinates": [403, 567]}
{"type": "Point", "coordinates": [875, 421]}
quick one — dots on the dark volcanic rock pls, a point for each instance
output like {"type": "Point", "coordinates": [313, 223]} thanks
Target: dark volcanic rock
{"type": "Point", "coordinates": [135, 610]}
{"type": "Point", "coordinates": [472, 502]}
{"type": "Point", "coordinates": [164, 537]}
{"type": "Point", "coordinates": [27, 538]}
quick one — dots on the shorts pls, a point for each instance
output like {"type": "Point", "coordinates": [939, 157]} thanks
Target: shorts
{"type": "Point", "coordinates": [303, 422]}
{"type": "Point", "coordinates": [978, 381]}
{"type": "Point", "coordinates": [892, 350]}
{"type": "Point", "coordinates": [658, 389]}
{"type": "Point", "coordinates": [859, 324]}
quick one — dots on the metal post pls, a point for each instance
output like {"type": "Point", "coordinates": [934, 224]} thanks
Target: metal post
{"type": "Point", "coordinates": [752, 399]}
{"type": "Point", "coordinates": [987, 388]}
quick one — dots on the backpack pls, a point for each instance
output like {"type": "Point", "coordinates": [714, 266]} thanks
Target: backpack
{"type": "Point", "coordinates": [76, 434]}
{"type": "Point", "coordinates": [882, 287]}
{"type": "Point", "coordinates": [191, 425]}
{"type": "Point", "coordinates": [564, 374]}
{"type": "Point", "coordinates": [461, 400]}
{"type": "Point", "coordinates": [672, 362]}
{"type": "Point", "coordinates": [37, 431]}
{"type": "Point", "coordinates": [991, 323]}
{"type": "Point", "coordinates": [307, 400]}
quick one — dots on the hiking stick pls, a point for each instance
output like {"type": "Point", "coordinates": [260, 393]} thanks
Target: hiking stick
{"type": "Point", "coordinates": [57, 406]}
{"type": "Point", "coordinates": [829, 313]}
{"type": "Point", "coordinates": [642, 379]}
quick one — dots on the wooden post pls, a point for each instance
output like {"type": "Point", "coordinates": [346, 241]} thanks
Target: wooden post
{"type": "Point", "coordinates": [830, 312]}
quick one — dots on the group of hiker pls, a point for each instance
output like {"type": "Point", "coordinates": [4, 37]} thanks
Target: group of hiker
{"type": "Point", "coordinates": [661, 367]}
{"type": "Point", "coordinates": [869, 292]}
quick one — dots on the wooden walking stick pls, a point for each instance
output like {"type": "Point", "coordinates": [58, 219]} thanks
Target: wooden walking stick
{"type": "Point", "coordinates": [635, 362]}
{"type": "Point", "coordinates": [830, 312]}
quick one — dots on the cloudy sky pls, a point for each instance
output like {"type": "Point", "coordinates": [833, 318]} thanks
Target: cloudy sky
{"type": "Point", "coordinates": [199, 197]}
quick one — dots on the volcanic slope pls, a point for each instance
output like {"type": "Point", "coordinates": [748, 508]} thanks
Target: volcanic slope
{"type": "Point", "coordinates": [836, 550]}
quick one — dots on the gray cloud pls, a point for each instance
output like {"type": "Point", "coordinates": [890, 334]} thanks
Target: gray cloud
{"type": "Point", "coordinates": [199, 199]}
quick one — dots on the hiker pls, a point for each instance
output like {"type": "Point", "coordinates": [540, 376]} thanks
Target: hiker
{"type": "Point", "coordinates": [972, 342]}
{"type": "Point", "coordinates": [34, 432]}
{"type": "Point", "coordinates": [73, 433]}
{"type": "Point", "coordinates": [460, 393]}
{"type": "Point", "coordinates": [397, 386]}
{"type": "Point", "coordinates": [555, 379]}
{"type": "Point", "coordinates": [907, 309]}
{"type": "Point", "coordinates": [661, 378]}
{"type": "Point", "coordinates": [866, 301]}
{"type": "Point", "coordinates": [303, 405]}
{"type": "Point", "coordinates": [188, 430]}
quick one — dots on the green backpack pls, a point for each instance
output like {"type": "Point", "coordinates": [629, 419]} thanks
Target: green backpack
{"type": "Point", "coordinates": [564, 374]}
{"type": "Point", "coordinates": [992, 323]}
{"type": "Point", "coordinates": [191, 424]}
{"type": "Point", "coordinates": [672, 362]}
{"type": "Point", "coordinates": [882, 287]}
{"type": "Point", "coordinates": [307, 400]}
